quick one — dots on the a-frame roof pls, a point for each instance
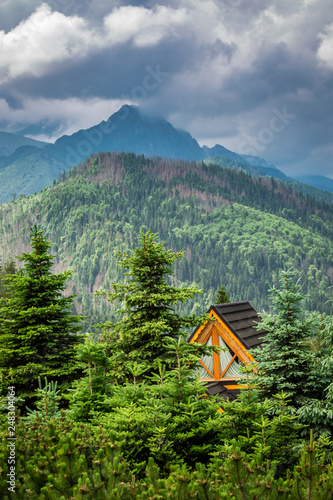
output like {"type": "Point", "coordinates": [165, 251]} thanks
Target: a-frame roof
{"type": "Point", "coordinates": [236, 323]}
{"type": "Point", "coordinates": [241, 318]}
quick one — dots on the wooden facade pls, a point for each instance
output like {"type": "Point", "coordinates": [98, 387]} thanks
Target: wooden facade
{"type": "Point", "coordinates": [233, 328]}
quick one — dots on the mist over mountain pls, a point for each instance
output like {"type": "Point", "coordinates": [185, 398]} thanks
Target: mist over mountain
{"type": "Point", "coordinates": [45, 129]}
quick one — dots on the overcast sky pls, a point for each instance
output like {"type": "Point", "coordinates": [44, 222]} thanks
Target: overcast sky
{"type": "Point", "coordinates": [255, 76]}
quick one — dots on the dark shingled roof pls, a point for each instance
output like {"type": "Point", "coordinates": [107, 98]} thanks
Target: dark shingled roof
{"type": "Point", "coordinates": [242, 319]}
{"type": "Point", "coordinates": [221, 390]}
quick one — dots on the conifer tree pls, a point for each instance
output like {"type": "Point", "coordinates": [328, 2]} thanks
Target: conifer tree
{"type": "Point", "coordinates": [89, 394]}
{"type": "Point", "coordinates": [284, 359]}
{"type": "Point", "coordinates": [221, 296]}
{"type": "Point", "coordinates": [148, 302]}
{"type": "Point", "coordinates": [9, 267]}
{"type": "Point", "coordinates": [37, 329]}
{"type": "Point", "coordinates": [317, 410]}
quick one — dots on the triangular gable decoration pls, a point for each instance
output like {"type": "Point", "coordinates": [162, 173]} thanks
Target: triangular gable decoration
{"type": "Point", "coordinates": [229, 362]}
{"type": "Point", "coordinates": [232, 327]}
{"type": "Point", "coordinates": [206, 367]}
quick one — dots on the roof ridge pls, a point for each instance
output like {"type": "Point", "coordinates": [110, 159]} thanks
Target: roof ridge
{"type": "Point", "coordinates": [232, 303]}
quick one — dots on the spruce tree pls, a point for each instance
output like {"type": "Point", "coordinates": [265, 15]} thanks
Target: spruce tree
{"type": "Point", "coordinates": [37, 335]}
{"type": "Point", "coordinates": [147, 306]}
{"type": "Point", "coordinates": [221, 296]}
{"type": "Point", "coordinates": [317, 410]}
{"type": "Point", "coordinates": [284, 360]}
{"type": "Point", "coordinates": [9, 267]}
{"type": "Point", "coordinates": [90, 393]}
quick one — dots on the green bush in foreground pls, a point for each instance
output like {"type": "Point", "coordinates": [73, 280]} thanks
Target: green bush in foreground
{"type": "Point", "coordinates": [59, 459]}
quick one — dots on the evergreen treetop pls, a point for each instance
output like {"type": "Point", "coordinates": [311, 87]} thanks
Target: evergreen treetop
{"type": "Point", "coordinates": [37, 336]}
{"type": "Point", "coordinates": [284, 359]}
{"type": "Point", "coordinates": [221, 296]}
{"type": "Point", "coordinates": [147, 304]}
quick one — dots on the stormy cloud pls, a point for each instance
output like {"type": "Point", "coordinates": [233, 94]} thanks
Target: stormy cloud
{"type": "Point", "coordinates": [256, 77]}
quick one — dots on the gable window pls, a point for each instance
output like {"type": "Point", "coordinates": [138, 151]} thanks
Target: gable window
{"type": "Point", "coordinates": [206, 367]}
{"type": "Point", "coordinates": [218, 366]}
{"type": "Point", "coordinates": [229, 362]}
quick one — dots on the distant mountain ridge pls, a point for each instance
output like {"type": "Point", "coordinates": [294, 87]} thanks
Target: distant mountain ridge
{"type": "Point", "coordinates": [9, 143]}
{"type": "Point", "coordinates": [318, 181]}
{"type": "Point", "coordinates": [128, 130]}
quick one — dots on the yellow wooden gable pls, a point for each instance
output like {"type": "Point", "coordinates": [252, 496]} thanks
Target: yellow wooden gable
{"type": "Point", "coordinates": [231, 327]}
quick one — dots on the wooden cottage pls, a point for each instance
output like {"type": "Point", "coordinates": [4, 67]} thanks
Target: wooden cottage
{"type": "Point", "coordinates": [233, 328]}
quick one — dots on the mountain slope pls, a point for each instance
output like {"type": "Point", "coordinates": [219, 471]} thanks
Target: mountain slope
{"type": "Point", "coordinates": [29, 169]}
{"type": "Point", "coordinates": [305, 189]}
{"type": "Point", "coordinates": [219, 151]}
{"type": "Point", "coordinates": [128, 130]}
{"type": "Point", "coordinates": [264, 167]}
{"type": "Point", "coordinates": [226, 162]}
{"type": "Point", "coordinates": [11, 142]}
{"type": "Point", "coordinates": [318, 181]}
{"type": "Point", "coordinates": [236, 230]}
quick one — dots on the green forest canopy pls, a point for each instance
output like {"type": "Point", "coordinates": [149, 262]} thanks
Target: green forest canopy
{"type": "Point", "coordinates": [236, 230]}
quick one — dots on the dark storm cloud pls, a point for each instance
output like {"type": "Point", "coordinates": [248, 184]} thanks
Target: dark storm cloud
{"type": "Point", "coordinates": [108, 73]}
{"type": "Point", "coordinates": [280, 79]}
{"type": "Point", "coordinates": [12, 13]}
{"type": "Point", "coordinates": [229, 67]}
{"type": "Point", "coordinates": [274, 74]}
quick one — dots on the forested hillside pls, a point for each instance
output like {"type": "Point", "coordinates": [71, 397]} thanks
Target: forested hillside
{"type": "Point", "coordinates": [321, 192]}
{"type": "Point", "coordinates": [236, 230]}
